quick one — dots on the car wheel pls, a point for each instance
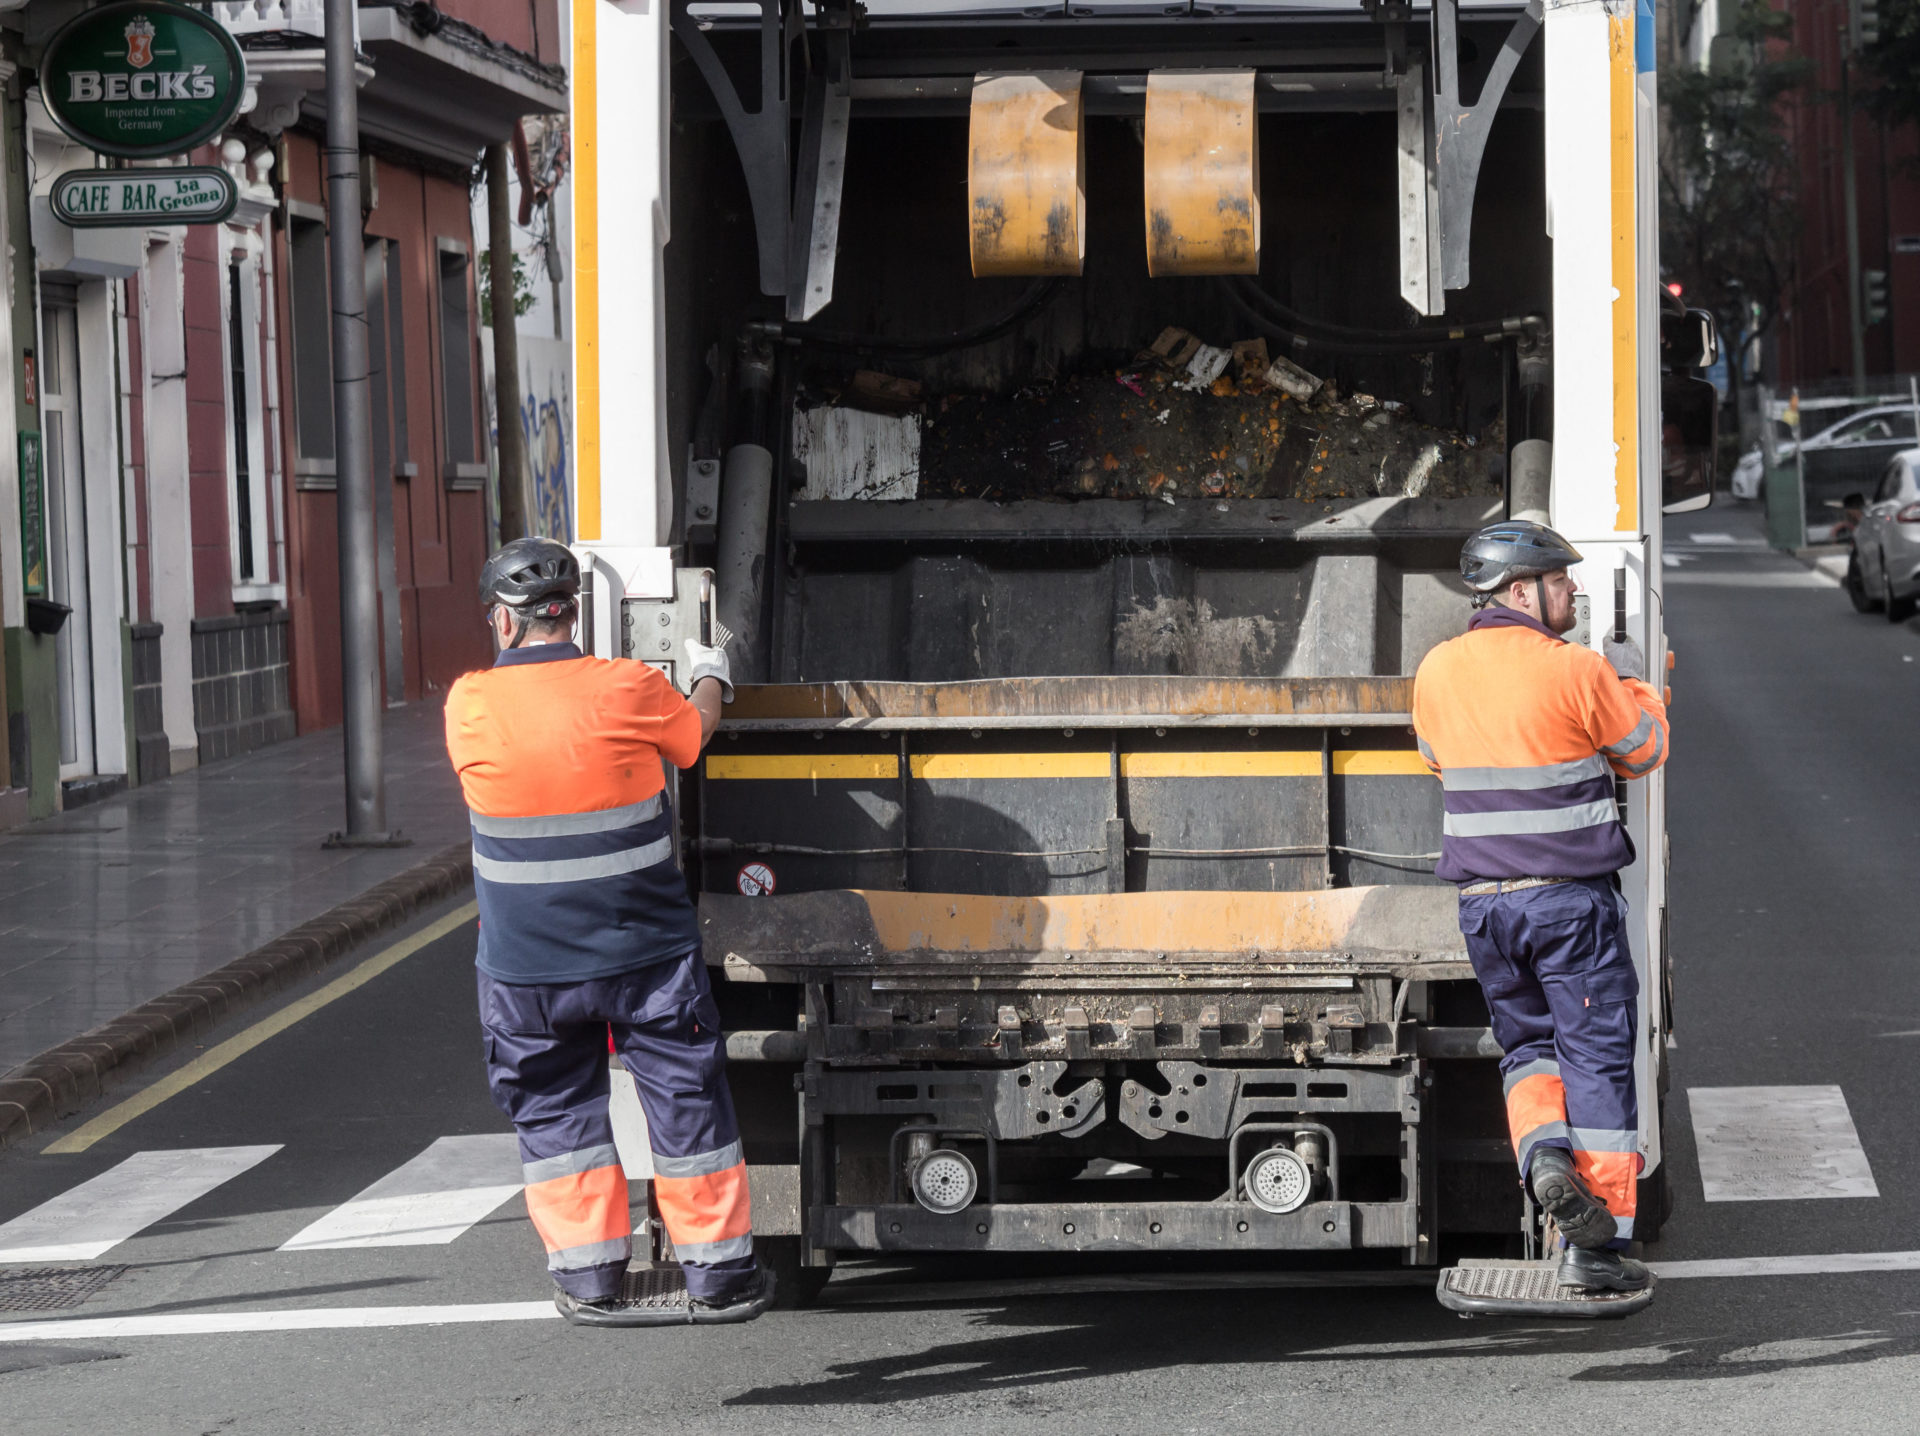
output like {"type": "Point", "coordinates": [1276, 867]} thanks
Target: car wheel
{"type": "Point", "coordinates": [1863, 602]}
{"type": "Point", "coordinates": [1898, 610]}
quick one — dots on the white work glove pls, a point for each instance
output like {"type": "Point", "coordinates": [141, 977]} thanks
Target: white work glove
{"type": "Point", "coordinates": [1627, 659]}
{"type": "Point", "coordinates": [705, 662]}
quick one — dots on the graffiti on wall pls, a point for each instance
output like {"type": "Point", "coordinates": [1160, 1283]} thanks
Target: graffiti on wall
{"type": "Point", "coordinates": [546, 410]}
{"type": "Point", "coordinates": [543, 419]}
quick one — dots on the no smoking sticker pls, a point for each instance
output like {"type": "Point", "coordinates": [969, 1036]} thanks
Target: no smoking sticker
{"type": "Point", "coordinates": [755, 880]}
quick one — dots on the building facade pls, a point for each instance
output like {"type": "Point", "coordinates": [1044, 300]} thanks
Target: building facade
{"type": "Point", "coordinates": [171, 501]}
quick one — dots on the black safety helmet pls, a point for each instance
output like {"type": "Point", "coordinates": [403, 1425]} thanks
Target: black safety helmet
{"type": "Point", "coordinates": [528, 571]}
{"type": "Point", "coordinates": [535, 578]}
{"type": "Point", "coordinates": [1514, 549]}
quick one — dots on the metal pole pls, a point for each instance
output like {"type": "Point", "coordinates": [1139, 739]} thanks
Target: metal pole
{"type": "Point", "coordinates": [353, 446]}
{"type": "Point", "coordinates": [517, 516]}
{"type": "Point", "coordinates": [1856, 319]}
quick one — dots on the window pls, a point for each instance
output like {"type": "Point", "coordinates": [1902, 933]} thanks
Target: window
{"type": "Point", "coordinates": [1889, 484]}
{"type": "Point", "coordinates": [464, 467]}
{"type": "Point", "coordinates": [240, 406]}
{"type": "Point", "coordinates": [312, 346]}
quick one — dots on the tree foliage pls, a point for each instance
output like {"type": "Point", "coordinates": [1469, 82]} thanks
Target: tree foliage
{"type": "Point", "coordinates": [1729, 220]}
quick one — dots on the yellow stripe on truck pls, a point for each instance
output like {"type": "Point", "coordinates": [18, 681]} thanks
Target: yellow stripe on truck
{"type": "Point", "coordinates": [586, 271]}
{"type": "Point", "coordinates": [950, 767]}
{"type": "Point", "coordinates": [1380, 763]}
{"type": "Point", "coordinates": [936, 767]}
{"type": "Point", "coordinates": [805, 767]}
{"type": "Point", "coordinates": [1297, 763]}
{"type": "Point", "coordinates": [1626, 269]}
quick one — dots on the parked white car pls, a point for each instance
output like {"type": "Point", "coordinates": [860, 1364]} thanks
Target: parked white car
{"type": "Point", "coordinates": [1881, 424]}
{"type": "Point", "coordinates": [1883, 572]}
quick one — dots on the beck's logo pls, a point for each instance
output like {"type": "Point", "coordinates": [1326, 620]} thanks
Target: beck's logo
{"type": "Point", "coordinates": [140, 42]}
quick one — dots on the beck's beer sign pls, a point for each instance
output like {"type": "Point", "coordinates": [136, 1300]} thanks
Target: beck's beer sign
{"type": "Point", "coordinates": [141, 80]}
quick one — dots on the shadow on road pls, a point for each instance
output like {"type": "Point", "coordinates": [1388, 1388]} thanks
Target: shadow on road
{"type": "Point", "coordinates": [1055, 1341]}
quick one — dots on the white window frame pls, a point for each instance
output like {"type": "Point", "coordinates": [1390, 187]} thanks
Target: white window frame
{"type": "Point", "coordinates": [245, 246]}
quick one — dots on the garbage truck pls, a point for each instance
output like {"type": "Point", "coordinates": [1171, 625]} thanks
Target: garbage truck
{"type": "Point", "coordinates": [1069, 412]}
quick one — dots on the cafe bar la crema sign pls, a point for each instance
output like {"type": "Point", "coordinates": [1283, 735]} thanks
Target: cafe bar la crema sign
{"type": "Point", "coordinates": [136, 198]}
{"type": "Point", "coordinates": [142, 80]}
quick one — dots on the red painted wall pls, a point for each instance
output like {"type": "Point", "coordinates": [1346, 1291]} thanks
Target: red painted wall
{"type": "Point", "coordinates": [1816, 334]}
{"type": "Point", "coordinates": [202, 280]}
{"type": "Point", "coordinates": [529, 26]}
{"type": "Point", "coordinates": [440, 535]}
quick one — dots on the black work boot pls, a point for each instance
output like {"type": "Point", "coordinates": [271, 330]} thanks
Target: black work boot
{"type": "Point", "coordinates": [757, 1297]}
{"type": "Point", "coordinates": [657, 1296]}
{"type": "Point", "coordinates": [1582, 1218]}
{"type": "Point", "coordinates": [609, 1311]}
{"type": "Point", "coordinates": [1602, 1270]}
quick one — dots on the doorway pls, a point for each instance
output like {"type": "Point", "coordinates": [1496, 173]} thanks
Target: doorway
{"type": "Point", "coordinates": [67, 570]}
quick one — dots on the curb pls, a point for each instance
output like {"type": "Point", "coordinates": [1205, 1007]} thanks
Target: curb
{"type": "Point", "coordinates": [62, 1079]}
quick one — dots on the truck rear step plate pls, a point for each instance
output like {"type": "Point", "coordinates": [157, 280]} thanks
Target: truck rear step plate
{"type": "Point", "coordinates": [1529, 1288]}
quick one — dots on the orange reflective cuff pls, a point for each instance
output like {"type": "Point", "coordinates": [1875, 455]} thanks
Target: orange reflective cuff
{"type": "Point", "coordinates": [1612, 1177]}
{"type": "Point", "coordinates": [1533, 1103]}
{"type": "Point", "coordinates": [705, 1209]}
{"type": "Point", "coordinates": [580, 1209]}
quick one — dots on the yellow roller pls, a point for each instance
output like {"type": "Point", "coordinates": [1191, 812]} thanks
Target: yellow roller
{"type": "Point", "coordinates": [1026, 164]}
{"type": "Point", "coordinates": [1202, 173]}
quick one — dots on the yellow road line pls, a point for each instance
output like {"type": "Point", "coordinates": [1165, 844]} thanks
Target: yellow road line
{"type": "Point", "coordinates": [804, 766]}
{"type": "Point", "coordinates": [214, 1058]}
{"type": "Point", "coordinates": [942, 766]}
{"type": "Point", "coordinates": [1380, 762]}
{"type": "Point", "coordinates": [1293, 763]}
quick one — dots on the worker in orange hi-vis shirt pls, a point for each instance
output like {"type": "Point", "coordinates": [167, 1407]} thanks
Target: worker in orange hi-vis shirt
{"type": "Point", "coordinates": [1527, 733]}
{"type": "Point", "coordinates": [585, 929]}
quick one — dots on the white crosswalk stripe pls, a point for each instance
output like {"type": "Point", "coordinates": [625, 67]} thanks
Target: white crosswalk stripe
{"type": "Point", "coordinates": [93, 1218]}
{"type": "Point", "coordinates": [428, 1201]}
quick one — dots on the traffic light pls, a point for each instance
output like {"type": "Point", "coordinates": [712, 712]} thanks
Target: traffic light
{"type": "Point", "coordinates": [1863, 23]}
{"type": "Point", "coordinates": [1873, 294]}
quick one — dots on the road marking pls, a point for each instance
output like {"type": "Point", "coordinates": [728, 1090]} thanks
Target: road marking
{"type": "Point", "coordinates": [1777, 1144]}
{"type": "Point", "coordinates": [1757, 578]}
{"type": "Point", "coordinates": [214, 1058]}
{"type": "Point", "coordinates": [428, 1201]}
{"type": "Point", "coordinates": [1715, 538]}
{"type": "Point", "coordinates": [317, 1318]}
{"type": "Point", "coordinates": [859, 1293]}
{"type": "Point", "coordinates": [1780, 1265]}
{"type": "Point", "coordinates": [97, 1215]}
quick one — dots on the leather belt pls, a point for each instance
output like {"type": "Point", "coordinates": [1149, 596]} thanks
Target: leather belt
{"type": "Point", "coordinates": [1510, 885]}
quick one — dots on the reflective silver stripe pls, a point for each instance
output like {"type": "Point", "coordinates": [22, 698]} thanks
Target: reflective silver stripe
{"type": "Point", "coordinates": [1547, 775]}
{"type": "Point", "coordinates": [1537, 1136]}
{"type": "Point", "coordinates": [1634, 739]}
{"type": "Point", "coordinates": [1592, 1139]}
{"type": "Point", "coordinates": [1622, 1227]}
{"type": "Point", "coordinates": [1546, 1066]}
{"type": "Point", "coordinates": [700, 1164]}
{"type": "Point", "coordinates": [570, 1164]}
{"type": "Point", "coordinates": [574, 870]}
{"type": "Point", "coordinates": [1533, 820]}
{"type": "Point", "coordinates": [566, 825]}
{"type": "Point", "coordinates": [1653, 759]}
{"type": "Point", "coordinates": [726, 1250]}
{"type": "Point", "coordinates": [620, 1249]}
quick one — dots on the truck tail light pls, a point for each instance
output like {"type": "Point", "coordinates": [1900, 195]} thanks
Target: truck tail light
{"type": "Point", "coordinates": [1910, 514]}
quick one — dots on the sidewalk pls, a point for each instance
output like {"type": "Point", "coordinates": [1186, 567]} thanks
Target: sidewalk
{"type": "Point", "coordinates": [117, 902]}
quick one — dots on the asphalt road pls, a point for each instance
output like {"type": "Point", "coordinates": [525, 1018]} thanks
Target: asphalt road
{"type": "Point", "coordinates": [1795, 818]}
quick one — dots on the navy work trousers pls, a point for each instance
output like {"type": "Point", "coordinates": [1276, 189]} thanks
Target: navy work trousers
{"type": "Point", "coordinates": [1560, 983]}
{"type": "Point", "coordinates": [547, 1065]}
